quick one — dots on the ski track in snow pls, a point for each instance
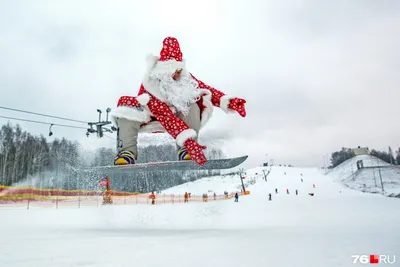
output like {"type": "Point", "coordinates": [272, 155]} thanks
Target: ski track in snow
{"type": "Point", "coordinates": [323, 230]}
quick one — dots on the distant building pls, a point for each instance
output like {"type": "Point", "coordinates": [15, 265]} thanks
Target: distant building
{"type": "Point", "coordinates": [360, 151]}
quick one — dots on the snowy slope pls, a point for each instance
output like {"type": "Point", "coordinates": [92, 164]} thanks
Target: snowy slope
{"type": "Point", "coordinates": [328, 227]}
{"type": "Point", "coordinates": [209, 185]}
{"type": "Point", "coordinates": [349, 167]}
{"type": "Point", "coordinates": [231, 183]}
{"type": "Point", "coordinates": [369, 179]}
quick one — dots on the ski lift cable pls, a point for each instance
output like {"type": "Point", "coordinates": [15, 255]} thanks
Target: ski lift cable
{"type": "Point", "coordinates": [42, 122]}
{"type": "Point", "coordinates": [45, 115]}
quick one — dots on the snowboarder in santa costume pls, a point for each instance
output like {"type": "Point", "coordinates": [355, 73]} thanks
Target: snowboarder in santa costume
{"type": "Point", "coordinates": [170, 100]}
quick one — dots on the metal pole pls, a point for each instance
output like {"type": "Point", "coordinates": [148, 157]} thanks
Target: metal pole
{"type": "Point", "coordinates": [241, 179]}
{"type": "Point", "coordinates": [380, 176]}
{"type": "Point", "coordinates": [390, 155]}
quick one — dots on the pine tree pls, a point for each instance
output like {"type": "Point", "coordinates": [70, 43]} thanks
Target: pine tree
{"type": "Point", "coordinates": [339, 157]}
{"type": "Point", "coordinates": [383, 155]}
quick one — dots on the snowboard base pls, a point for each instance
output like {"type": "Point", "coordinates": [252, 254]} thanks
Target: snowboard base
{"type": "Point", "coordinates": [215, 164]}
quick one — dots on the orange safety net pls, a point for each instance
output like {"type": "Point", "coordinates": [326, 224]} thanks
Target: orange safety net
{"type": "Point", "coordinates": [30, 196]}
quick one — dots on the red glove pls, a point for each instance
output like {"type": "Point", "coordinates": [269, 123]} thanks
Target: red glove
{"type": "Point", "coordinates": [237, 104]}
{"type": "Point", "coordinates": [195, 150]}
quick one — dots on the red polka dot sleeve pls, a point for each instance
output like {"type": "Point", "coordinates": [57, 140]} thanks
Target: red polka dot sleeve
{"type": "Point", "coordinates": [215, 94]}
{"type": "Point", "coordinates": [172, 124]}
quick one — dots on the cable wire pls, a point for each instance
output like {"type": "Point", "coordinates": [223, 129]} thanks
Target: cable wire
{"type": "Point", "coordinates": [45, 115]}
{"type": "Point", "coordinates": [41, 122]}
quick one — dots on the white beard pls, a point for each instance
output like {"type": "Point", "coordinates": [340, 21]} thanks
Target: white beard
{"type": "Point", "coordinates": [181, 93]}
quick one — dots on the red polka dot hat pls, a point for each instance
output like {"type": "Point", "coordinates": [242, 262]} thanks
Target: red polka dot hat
{"type": "Point", "coordinates": [171, 50]}
{"type": "Point", "coordinates": [170, 58]}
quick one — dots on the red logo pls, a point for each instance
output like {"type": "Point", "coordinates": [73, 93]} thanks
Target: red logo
{"type": "Point", "coordinates": [373, 259]}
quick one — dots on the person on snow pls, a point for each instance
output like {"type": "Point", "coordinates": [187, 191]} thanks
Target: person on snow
{"type": "Point", "coordinates": [186, 197]}
{"type": "Point", "coordinates": [152, 196]}
{"type": "Point", "coordinates": [106, 183]}
{"type": "Point", "coordinates": [236, 197]}
{"type": "Point", "coordinates": [269, 196]}
{"type": "Point", "coordinates": [170, 100]}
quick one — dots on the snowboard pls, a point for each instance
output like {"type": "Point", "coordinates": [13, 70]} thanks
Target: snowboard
{"type": "Point", "coordinates": [168, 165]}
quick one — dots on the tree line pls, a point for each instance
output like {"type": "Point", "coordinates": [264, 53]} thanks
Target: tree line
{"type": "Point", "coordinates": [31, 160]}
{"type": "Point", "coordinates": [344, 154]}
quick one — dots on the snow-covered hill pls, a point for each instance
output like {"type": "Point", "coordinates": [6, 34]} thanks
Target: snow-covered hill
{"type": "Point", "coordinates": [329, 227]}
{"type": "Point", "coordinates": [375, 174]}
{"type": "Point", "coordinates": [349, 167]}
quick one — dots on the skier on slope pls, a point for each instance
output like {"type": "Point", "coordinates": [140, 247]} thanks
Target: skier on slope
{"type": "Point", "coordinates": [170, 100]}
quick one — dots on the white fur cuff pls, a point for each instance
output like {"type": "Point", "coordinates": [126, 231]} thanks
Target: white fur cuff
{"type": "Point", "coordinates": [143, 99]}
{"type": "Point", "coordinates": [224, 103]}
{"type": "Point", "coordinates": [130, 113]}
{"type": "Point", "coordinates": [185, 135]}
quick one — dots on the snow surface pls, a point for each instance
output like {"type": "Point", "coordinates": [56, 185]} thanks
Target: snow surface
{"type": "Point", "coordinates": [323, 230]}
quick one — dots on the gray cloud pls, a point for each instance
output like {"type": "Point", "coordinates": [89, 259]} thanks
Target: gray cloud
{"type": "Point", "coordinates": [316, 75]}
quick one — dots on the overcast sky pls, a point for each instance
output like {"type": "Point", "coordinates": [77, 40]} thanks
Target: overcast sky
{"type": "Point", "coordinates": [317, 75]}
